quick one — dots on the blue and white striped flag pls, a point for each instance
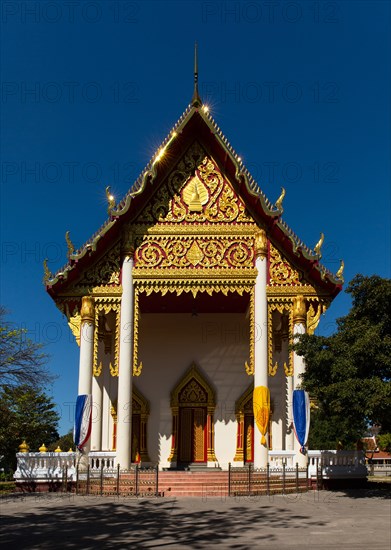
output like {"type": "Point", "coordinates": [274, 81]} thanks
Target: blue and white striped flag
{"type": "Point", "coordinates": [83, 415]}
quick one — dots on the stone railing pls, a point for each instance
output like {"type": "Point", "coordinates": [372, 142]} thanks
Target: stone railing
{"type": "Point", "coordinates": [102, 459]}
{"type": "Point", "coordinates": [45, 466]}
{"type": "Point", "coordinates": [42, 467]}
{"type": "Point", "coordinates": [55, 466]}
{"type": "Point", "coordinates": [278, 458]}
{"type": "Point", "coordinates": [337, 464]}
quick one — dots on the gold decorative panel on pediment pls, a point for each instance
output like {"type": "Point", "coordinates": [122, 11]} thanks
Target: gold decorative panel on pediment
{"type": "Point", "coordinates": [106, 272]}
{"type": "Point", "coordinates": [187, 251]}
{"type": "Point", "coordinates": [195, 192]}
{"type": "Point", "coordinates": [281, 271]}
{"type": "Point", "coordinates": [195, 220]}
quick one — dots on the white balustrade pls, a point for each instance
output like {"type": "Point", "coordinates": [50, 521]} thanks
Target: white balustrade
{"type": "Point", "coordinates": [338, 464]}
{"type": "Point", "coordinates": [278, 458]}
{"type": "Point", "coordinates": [53, 466]}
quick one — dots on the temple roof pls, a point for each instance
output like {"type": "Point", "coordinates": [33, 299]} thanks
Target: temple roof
{"type": "Point", "coordinates": [197, 123]}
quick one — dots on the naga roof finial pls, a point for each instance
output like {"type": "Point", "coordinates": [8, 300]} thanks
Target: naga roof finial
{"type": "Point", "coordinates": [279, 200]}
{"type": "Point", "coordinates": [70, 245]}
{"type": "Point", "coordinates": [110, 200]}
{"type": "Point", "coordinates": [339, 273]}
{"type": "Point", "coordinates": [196, 100]}
{"type": "Point", "coordinates": [318, 246]}
{"type": "Point", "coordinates": [46, 272]}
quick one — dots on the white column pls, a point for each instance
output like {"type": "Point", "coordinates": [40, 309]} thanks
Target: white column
{"type": "Point", "coordinates": [87, 328]}
{"type": "Point", "coordinates": [290, 437]}
{"type": "Point", "coordinates": [260, 348]}
{"type": "Point", "coordinates": [299, 327]}
{"type": "Point", "coordinates": [97, 398]}
{"type": "Point", "coordinates": [124, 406]}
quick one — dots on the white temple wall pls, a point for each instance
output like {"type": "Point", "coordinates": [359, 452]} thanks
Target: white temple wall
{"type": "Point", "coordinates": [168, 345]}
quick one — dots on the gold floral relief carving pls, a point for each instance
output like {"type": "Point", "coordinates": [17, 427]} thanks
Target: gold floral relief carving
{"type": "Point", "coordinates": [190, 251]}
{"type": "Point", "coordinates": [314, 312]}
{"type": "Point", "coordinates": [103, 306]}
{"type": "Point", "coordinates": [137, 366]}
{"type": "Point", "coordinates": [281, 307]}
{"type": "Point", "coordinates": [193, 393]}
{"type": "Point", "coordinates": [74, 321]}
{"type": "Point", "coordinates": [105, 272]}
{"type": "Point", "coordinates": [195, 192]}
{"type": "Point", "coordinates": [281, 272]}
{"type": "Point", "coordinates": [250, 365]}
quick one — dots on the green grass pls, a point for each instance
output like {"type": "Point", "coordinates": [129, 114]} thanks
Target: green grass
{"type": "Point", "coordinates": [7, 487]}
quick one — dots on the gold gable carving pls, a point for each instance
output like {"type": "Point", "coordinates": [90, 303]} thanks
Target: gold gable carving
{"type": "Point", "coordinates": [281, 272]}
{"type": "Point", "coordinates": [195, 180]}
{"type": "Point", "coordinates": [193, 389]}
{"type": "Point", "coordinates": [105, 272]}
{"type": "Point", "coordinates": [194, 221]}
{"type": "Point", "coordinates": [186, 251]}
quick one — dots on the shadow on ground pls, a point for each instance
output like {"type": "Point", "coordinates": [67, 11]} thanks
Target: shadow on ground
{"type": "Point", "coordinates": [371, 489]}
{"type": "Point", "coordinates": [77, 522]}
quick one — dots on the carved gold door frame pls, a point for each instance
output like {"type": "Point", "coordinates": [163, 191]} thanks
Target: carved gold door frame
{"type": "Point", "coordinates": [193, 403]}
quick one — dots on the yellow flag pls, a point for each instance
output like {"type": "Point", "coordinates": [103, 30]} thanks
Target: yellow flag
{"type": "Point", "coordinates": [261, 407]}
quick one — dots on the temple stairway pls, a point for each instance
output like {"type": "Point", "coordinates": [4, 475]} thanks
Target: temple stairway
{"type": "Point", "coordinates": [193, 483]}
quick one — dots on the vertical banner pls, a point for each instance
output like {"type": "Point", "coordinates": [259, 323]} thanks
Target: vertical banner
{"type": "Point", "coordinates": [261, 408]}
{"type": "Point", "coordinates": [83, 416]}
{"type": "Point", "coordinates": [301, 417]}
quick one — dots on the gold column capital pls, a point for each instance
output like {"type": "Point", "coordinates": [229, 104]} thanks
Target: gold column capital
{"type": "Point", "coordinates": [299, 310]}
{"type": "Point", "coordinates": [261, 244]}
{"type": "Point", "coordinates": [87, 311]}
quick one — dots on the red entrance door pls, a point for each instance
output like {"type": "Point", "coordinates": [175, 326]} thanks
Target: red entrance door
{"type": "Point", "coordinates": [192, 434]}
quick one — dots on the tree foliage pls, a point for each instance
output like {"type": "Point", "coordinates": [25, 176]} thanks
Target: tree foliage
{"type": "Point", "coordinates": [22, 361]}
{"type": "Point", "coordinates": [348, 373]}
{"type": "Point", "coordinates": [65, 442]}
{"type": "Point", "coordinates": [26, 414]}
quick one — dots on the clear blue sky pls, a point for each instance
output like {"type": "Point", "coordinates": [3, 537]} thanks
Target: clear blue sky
{"type": "Point", "coordinates": [89, 89]}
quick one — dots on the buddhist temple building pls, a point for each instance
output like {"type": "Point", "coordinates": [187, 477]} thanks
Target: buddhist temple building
{"type": "Point", "coordinates": [188, 297]}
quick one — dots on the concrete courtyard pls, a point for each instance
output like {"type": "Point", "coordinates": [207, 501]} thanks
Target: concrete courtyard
{"type": "Point", "coordinates": [351, 519]}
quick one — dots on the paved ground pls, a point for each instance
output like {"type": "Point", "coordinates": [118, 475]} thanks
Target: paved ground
{"type": "Point", "coordinates": [354, 519]}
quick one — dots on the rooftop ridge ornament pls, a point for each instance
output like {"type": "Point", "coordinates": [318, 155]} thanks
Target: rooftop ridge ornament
{"type": "Point", "coordinates": [70, 246]}
{"type": "Point", "coordinates": [47, 275]}
{"type": "Point", "coordinates": [280, 200]}
{"type": "Point", "coordinates": [318, 246]}
{"type": "Point", "coordinates": [196, 100]}
{"type": "Point", "coordinates": [110, 201]}
{"type": "Point", "coordinates": [339, 273]}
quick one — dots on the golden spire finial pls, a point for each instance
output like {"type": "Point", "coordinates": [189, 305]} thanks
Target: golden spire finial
{"type": "Point", "coordinates": [196, 100]}
{"type": "Point", "coordinates": [340, 271]}
{"type": "Point", "coordinates": [318, 246]}
{"type": "Point", "coordinates": [71, 248]}
{"type": "Point", "coordinates": [46, 272]}
{"type": "Point", "coordinates": [280, 199]}
{"type": "Point", "coordinates": [110, 200]}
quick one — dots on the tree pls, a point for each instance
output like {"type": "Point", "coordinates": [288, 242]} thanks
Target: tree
{"type": "Point", "coordinates": [27, 414]}
{"type": "Point", "coordinates": [22, 361]}
{"type": "Point", "coordinates": [348, 373]}
{"type": "Point", "coordinates": [384, 442]}
{"type": "Point", "coordinates": [65, 442]}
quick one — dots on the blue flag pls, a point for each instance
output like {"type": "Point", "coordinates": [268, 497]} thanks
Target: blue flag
{"type": "Point", "coordinates": [83, 415]}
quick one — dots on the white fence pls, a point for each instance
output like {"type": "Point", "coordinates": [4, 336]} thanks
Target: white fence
{"type": "Point", "coordinates": [41, 467]}
{"type": "Point", "coordinates": [337, 464]}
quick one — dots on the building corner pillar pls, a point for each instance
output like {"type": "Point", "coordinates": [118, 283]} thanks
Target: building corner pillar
{"type": "Point", "coordinates": [86, 358]}
{"type": "Point", "coordinates": [261, 335]}
{"type": "Point", "coordinates": [124, 404]}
